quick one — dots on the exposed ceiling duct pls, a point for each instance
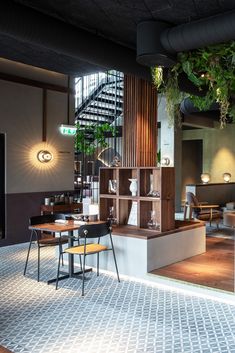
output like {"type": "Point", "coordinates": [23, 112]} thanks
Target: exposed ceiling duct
{"type": "Point", "coordinates": [149, 48]}
{"type": "Point", "coordinates": [160, 46]}
{"type": "Point", "coordinates": [28, 26]}
{"type": "Point", "coordinates": [187, 107]}
{"type": "Point", "coordinates": [212, 114]}
{"type": "Point", "coordinates": [198, 34]}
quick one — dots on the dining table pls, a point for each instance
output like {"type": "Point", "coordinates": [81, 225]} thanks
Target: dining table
{"type": "Point", "coordinates": [68, 226]}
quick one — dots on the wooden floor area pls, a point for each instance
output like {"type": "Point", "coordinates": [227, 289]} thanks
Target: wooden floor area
{"type": "Point", "coordinates": [214, 268]}
{"type": "Point", "coordinates": [4, 350]}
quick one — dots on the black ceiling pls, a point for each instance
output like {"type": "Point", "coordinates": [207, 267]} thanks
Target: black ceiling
{"type": "Point", "coordinates": [117, 19]}
{"type": "Point", "coordinates": [114, 20]}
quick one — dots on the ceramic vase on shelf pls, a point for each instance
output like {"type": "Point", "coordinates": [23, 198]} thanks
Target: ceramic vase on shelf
{"type": "Point", "coordinates": [133, 187]}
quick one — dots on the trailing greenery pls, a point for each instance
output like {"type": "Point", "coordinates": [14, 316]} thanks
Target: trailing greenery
{"type": "Point", "coordinates": [212, 69]}
{"type": "Point", "coordinates": [91, 136]}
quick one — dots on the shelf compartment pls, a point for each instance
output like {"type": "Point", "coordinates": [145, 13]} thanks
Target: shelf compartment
{"type": "Point", "coordinates": [124, 183]}
{"type": "Point", "coordinates": [104, 206]}
{"type": "Point", "coordinates": [145, 212]}
{"type": "Point", "coordinates": [125, 207]}
{"type": "Point", "coordinates": [107, 174]}
{"type": "Point", "coordinates": [150, 176]}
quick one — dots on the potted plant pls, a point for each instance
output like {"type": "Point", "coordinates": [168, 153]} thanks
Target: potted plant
{"type": "Point", "coordinates": [89, 137]}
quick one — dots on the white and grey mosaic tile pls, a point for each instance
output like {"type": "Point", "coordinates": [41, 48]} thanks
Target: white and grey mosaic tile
{"type": "Point", "coordinates": [126, 317]}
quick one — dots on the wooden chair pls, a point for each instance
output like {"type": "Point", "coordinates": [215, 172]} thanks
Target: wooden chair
{"type": "Point", "coordinates": [202, 211]}
{"type": "Point", "coordinates": [91, 231]}
{"type": "Point", "coordinates": [44, 239]}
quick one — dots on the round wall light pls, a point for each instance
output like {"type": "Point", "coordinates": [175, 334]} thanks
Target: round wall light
{"type": "Point", "coordinates": [165, 161]}
{"type": "Point", "coordinates": [44, 156]}
{"type": "Point", "coordinates": [205, 178]}
{"type": "Point", "coordinates": [227, 177]}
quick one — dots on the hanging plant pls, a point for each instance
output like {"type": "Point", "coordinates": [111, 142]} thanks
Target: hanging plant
{"type": "Point", "coordinates": [211, 68]}
{"type": "Point", "coordinates": [91, 136]}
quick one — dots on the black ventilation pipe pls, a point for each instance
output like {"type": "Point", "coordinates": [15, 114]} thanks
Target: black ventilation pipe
{"type": "Point", "coordinates": [32, 27]}
{"type": "Point", "coordinates": [158, 44]}
{"type": "Point", "coordinates": [198, 34]}
{"type": "Point", "coordinates": [149, 47]}
{"type": "Point", "coordinates": [187, 107]}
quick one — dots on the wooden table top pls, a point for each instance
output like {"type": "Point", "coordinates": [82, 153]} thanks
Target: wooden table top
{"type": "Point", "coordinates": [60, 227]}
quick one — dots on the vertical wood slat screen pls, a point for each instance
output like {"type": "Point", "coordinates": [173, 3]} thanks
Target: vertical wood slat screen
{"type": "Point", "coordinates": [140, 123]}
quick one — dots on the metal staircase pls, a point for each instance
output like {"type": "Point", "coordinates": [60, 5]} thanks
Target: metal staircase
{"type": "Point", "coordinates": [99, 99]}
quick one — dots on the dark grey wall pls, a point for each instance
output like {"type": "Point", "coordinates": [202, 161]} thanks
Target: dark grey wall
{"type": "Point", "coordinates": [2, 186]}
{"type": "Point", "coordinates": [191, 163]}
{"type": "Point", "coordinates": [19, 207]}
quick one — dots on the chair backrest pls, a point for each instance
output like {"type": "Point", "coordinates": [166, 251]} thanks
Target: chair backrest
{"type": "Point", "coordinates": [191, 199]}
{"type": "Point", "coordinates": [94, 230]}
{"type": "Point", "coordinates": [48, 218]}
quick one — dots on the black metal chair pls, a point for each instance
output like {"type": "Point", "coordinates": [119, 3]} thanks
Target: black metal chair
{"type": "Point", "coordinates": [44, 239]}
{"type": "Point", "coordinates": [86, 232]}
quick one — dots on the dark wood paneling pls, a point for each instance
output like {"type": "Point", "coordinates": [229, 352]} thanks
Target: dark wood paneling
{"type": "Point", "coordinates": [2, 186]}
{"type": "Point", "coordinates": [191, 163]}
{"type": "Point", "coordinates": [44, 115]}
{"type": "Point", "coordinates": [18, 210]}
{"type": "Point", "coordinates": [140, 123]}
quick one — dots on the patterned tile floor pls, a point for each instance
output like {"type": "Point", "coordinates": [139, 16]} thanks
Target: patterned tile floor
{"type": "Point", "coordinates": [127, 317]}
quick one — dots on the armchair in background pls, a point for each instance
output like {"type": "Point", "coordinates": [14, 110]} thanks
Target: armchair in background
{"type": "Point", "coordinates": [202, 211]}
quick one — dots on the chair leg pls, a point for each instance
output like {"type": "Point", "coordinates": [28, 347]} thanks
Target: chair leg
{"type": "Point", "coordinates": [62, 259]}
{"type": "Point", "coordinates": [114, 257]}
{"type": "Point", "coordinates": [83, 273]}
{"type": "Point", "coordinates": [58, 271]}
{"type": "Point", "coordinates": [80, 259]}
{"type": "Point", "coordinates": [98, 258]}
{"type": "Point", "coordinates": [27, 258]}
{"type": "Point", "coordinates": [38, 263]}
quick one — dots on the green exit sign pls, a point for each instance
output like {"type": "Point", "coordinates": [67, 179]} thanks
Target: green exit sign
{"type": "Point", "coordinates": [69, 130]}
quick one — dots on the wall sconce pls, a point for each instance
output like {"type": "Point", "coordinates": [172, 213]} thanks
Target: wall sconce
{"type": "Point", "coordinates": [44, 156]}
{"type": "Point", "coordinates": [165, 161]}
{"type": "Point", "coordinates": [227, 177]}
{"type": "Point", "coordinates": [205, 178]}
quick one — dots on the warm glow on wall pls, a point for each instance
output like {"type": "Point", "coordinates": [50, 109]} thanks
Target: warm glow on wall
{"type": "Point", "coordinates": [43, 156]}
{"type": "Point", "coordinates": [223, 160]}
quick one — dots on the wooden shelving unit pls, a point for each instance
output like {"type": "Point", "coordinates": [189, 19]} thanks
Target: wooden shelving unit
{"type": "Point", "coordinates": [163, 181]}
{"type": "Point", "coordinates": [70, 208]}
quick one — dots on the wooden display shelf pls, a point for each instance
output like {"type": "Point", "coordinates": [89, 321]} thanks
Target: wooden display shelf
{"type": "Point", "coordinates": [155, 179]}
{"type": "Point", "coordinates": [149, 198]}
{"type": "Point", "coordinates": [68, 208]}
{"type": "Point", "coordinates": [128, 197]}
{"type": "Point", "coordinates": [108, 196]}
